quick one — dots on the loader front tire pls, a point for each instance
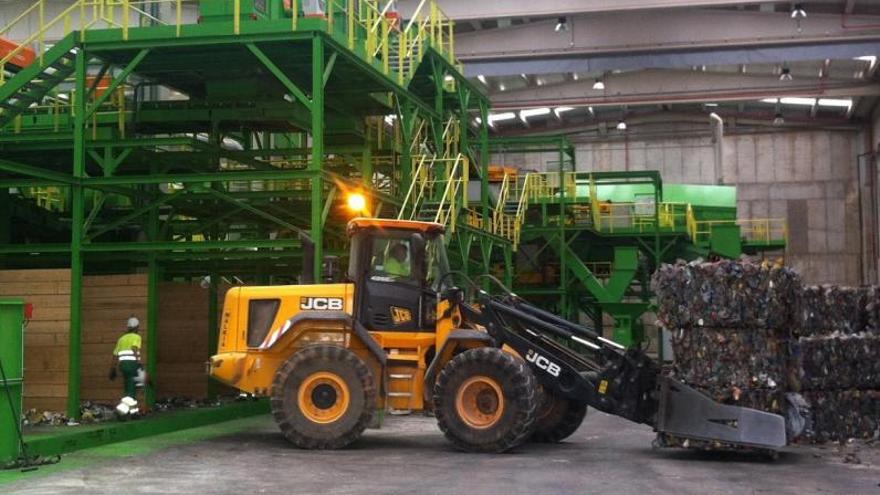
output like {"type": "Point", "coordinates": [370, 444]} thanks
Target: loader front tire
{"type": "Point", "coordinates": [558, 418]}
{"type": "Point", "coordinates": [485, 400]}
{"type": "Point", "coordinates": [323, 397]}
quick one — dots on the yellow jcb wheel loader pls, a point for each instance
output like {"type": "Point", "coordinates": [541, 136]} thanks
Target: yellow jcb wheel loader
{"type": "Point", "coordinates": [399, 337]}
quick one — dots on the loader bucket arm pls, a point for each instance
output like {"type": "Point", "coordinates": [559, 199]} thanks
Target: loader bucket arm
{"type": "Point", "coordinates": [623, 382]}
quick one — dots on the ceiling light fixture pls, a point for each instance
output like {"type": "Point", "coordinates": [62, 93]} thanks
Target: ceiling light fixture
{"type": "Point", "coordinates": [599, 84]}
{"type": "Point", "coordinates": [778, 119]}
{"type": "Point", "coordinates": [560, 110]}
{"type": "Point", "coordinates": [785, 74]}
{"type": "Point", "coordinates": [534, 112]}
{"type": "Point", "coordinates": [497, 117]}
{"type": "Point", "coordinates": [482, 79]}
{"type": "Point", "coordinates": [561, 25]}
{"type": "Point", "coordinates": [621, 126]}
{"type": "Point", "coordinates": [798, 12]}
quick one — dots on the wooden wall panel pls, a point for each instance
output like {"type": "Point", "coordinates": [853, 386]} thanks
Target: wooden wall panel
{"type": "Point", "coordinates": [183, 340]}
{"type": "Point", "coordinates": [45, 340]}
{"type": "Point", "coordinates": [108, 302]}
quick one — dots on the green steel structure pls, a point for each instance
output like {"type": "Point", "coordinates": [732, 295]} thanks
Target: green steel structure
{"type": "Point", "coordinates": [141, 141]}
{"type": "Point", "coordinates": [588, 242]}
{"type": "Point", "coordinates": [11, 380]}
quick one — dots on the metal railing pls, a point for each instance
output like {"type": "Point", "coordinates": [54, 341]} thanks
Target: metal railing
{"type": "Point", "coordinates": [499, 227]}
{"type": "Point", "coordinates": [451, 201]}
{"type": "Point", "coordinates": [764, 231]}
{"type": "Point", "coordinates": [365, 23]}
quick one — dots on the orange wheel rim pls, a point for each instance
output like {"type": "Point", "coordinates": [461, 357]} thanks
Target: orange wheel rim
{"type": "Point", "coordinates": [323, 397]}
{"type": "Point", "coordinates": [480, 402]}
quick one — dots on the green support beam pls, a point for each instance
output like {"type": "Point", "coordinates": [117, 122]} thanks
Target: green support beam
{"type": "Point", "coordinates": [77, 237]}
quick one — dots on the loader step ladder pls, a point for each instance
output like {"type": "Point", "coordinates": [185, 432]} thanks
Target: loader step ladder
{"type": "Point", "coordinates": [403, 371]}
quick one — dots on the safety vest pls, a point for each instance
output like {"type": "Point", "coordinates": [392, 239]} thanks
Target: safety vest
{"type": "Point", "coordinates": [124, 350]}
{"type": "Point", "coordinates": [126, 356]}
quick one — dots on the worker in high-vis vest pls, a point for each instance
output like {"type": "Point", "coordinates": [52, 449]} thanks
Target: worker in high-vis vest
{"type": "Point", "coordinates": [397, 263]}
{"type": "Point", "coordinates": [127, 359]}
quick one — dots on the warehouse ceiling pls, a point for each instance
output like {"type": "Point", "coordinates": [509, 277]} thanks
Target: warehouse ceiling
{"type": "Point", "coordinates": [586, 65]}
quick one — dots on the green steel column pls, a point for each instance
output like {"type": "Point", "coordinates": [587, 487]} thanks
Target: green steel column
{"type": "Point", "coordinates": [367, 160]}
{"type": "Point", "coordinates": [153, 274]}
{"type": "Point", "coordinates": [563, 264]}
{"type": "Point", "coordinates": [484, 160]}
{"type": "Point", "coordinates": [5, 216]}
{"type": "Point", "coordinates": [464, 139]}
{"type": "Point", "coordinates": [508, 265]}
{"type": "Point", "coordinates": [213, 327]}
{"type": "Point", "coordinates": [407, 122]}
{"type": "Point", "coordinates": [12, 359]}
{"type": "Point", "coordinates": [76, 240]}
{"type": "Point", "coordinates": [317, 162]}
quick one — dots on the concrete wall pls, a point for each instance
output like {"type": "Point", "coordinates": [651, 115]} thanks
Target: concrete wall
{"type": "Point", "coordinates": [808, 177]}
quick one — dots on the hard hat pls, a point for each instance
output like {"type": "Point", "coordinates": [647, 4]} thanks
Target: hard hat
{"type": "Point", "coordinates": [133, 323]}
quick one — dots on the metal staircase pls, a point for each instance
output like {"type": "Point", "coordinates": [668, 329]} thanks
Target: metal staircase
{"type": "Point", "coordinates": [31, 84]}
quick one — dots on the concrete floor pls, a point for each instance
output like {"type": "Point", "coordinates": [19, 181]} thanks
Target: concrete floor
{"type": "Point", "coordinates": [409, 455]}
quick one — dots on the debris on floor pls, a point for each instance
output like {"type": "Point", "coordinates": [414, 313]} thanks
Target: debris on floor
{"type": "Point", "coordinates": [94, 412]}
{"type": "Point", "coordinates": [35, 417]}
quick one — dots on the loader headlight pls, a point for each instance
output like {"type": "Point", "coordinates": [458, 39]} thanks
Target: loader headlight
{"type": "Point", "coordinates": [357, 202]}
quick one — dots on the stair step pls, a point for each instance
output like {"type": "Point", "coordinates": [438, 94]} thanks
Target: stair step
{"type": "Point", "coordinates": [400, 376]}
{"type": "Point", "coordinates": [399, 394]}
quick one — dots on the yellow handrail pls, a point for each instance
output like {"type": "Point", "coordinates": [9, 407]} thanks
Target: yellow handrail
{"type": "Point", "coordinates": [498, 211]}
{"type": "Point", "coordinates": [411, 190]}
{"type": "Point", "coordinates": [448, 207]}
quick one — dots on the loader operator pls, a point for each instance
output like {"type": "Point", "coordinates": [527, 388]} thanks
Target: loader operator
{"type": "Point", "coordinates": [126, 356]}
{"type": "Point", "coordinates": [397, 265]}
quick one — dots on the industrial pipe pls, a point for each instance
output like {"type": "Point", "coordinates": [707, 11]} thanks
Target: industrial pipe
{"type": "Point", "coordinates": [719, 140]}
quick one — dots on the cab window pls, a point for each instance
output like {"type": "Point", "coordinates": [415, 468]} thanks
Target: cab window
{"type": "Point", "coordinates": [391, 260]}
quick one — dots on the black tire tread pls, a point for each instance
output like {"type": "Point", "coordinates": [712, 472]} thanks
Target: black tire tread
{"type": "Point", "coordinates": [523, 397]}
{"type": "Point", "coordinates": [561, 424]}
{"type": "Point", "coordinates": [299, 436]}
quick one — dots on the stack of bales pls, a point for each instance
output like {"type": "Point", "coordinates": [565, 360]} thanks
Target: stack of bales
{"type": "Point", "coordinates": [731, 324]}
{"type": "Point", "coordinates": [838, 365]}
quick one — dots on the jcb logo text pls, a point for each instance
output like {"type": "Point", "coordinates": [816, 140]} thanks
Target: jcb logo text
{"type": "Point", "coordinates": [543, 363]}
{"type": "Point", "coordinates": [321, 303]}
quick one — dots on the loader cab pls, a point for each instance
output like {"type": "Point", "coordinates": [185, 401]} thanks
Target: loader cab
{"type": "Point", "coordinates": [397, 268]}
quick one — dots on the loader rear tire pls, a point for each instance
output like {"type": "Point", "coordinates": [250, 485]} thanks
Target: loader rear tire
{"type": "Point", "coordinates": [558, 418]}
{"type": "Point", "coordinates": [486, 400]}
{"type": "Point", "coordinates": [323, 397]}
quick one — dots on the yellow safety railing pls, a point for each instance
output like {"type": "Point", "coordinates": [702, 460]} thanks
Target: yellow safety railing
{"type": "Point", "coordinates": [451, 201]}
{"type": "Point", "coordinates": [754, 230]}
{"type": "Point", "coordinates": [81, 15]}
{"type": "Point", "coordinates": [384, 32]}
{"type": "Point", "coordinates": [417, 187]}
{"type": "Point", "coordinates": [673, 216]}
{"type": "Point", "coordinates": [530, 182]}
{"type": "Point", "coordinates": [498, 211]}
